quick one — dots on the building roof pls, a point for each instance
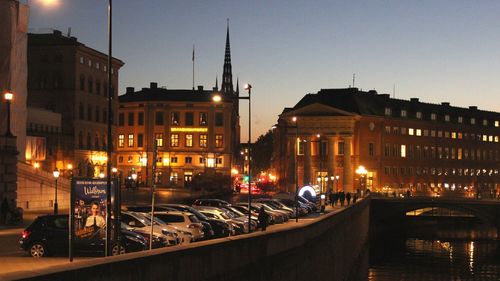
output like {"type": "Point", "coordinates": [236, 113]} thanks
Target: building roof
{"type": "Point", "coordinates": [56, 38]}
{"type": "Point", "coordinates": [374, 104]}
{"type": "Point", "coordinates": [162, 94]}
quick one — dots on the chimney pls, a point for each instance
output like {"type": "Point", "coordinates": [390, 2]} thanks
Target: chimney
{"type": "Point", "coordinates": [414, 99]}
{"type": "Point", "coordinates": [153, 85]}
{"type": "Point", "coordinates": [445, 103]}
{"type": "Point", "coordinates": [130, 90]}
{"type": "Point", "coordinates": [473, 107]}
{"type": "Point", "coordinates": [200, 88]}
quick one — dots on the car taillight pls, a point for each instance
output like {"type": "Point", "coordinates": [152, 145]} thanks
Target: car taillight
{"type": "Point", "coordinates": [26, 234]}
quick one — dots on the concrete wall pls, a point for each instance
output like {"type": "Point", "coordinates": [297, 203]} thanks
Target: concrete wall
{"type": "Point", "coordinates": [8, 168]}
{"type": "Point", "coordinates": [36, 189]}
{"type": "Point", "coordinates": [329, 249]}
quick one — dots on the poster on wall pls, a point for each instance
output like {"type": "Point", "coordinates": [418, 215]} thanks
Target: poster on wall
{"type": "Point", "coordinates": [88, 206]}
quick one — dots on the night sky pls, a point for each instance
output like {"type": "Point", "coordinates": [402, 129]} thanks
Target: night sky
{"type": "Point", "coordinates": [434, 50]}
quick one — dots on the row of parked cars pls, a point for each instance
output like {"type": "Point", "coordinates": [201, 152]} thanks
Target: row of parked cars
{"type": "Point", "coordinates": [172, 224]}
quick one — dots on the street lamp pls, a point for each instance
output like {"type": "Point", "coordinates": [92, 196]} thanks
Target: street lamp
{"type": "Point", "coordinates": [296, 152]}
{"type": "Point", "coordinates": [8, 96]}
{"type": "Point", "coordinates": [361, 171]}
{"type": "Point", "coordinates": [218, 98]}
{"type": "Point", "coordinates": [56, 174]}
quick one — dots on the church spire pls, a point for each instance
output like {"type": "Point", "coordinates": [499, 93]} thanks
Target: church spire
{"type": "Point", "coordinates": [237, 86]}
{"type": "Point", "coordinates": [227, 75]}
{"type": "Point", "coordinates": [216, 82]}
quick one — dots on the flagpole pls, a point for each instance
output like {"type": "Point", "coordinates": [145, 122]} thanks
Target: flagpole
{"type": "Point", "coordinates": [193, 66]}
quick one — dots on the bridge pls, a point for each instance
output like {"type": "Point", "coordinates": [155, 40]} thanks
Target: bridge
{"type": "Point", "coordinates": [387, 211]}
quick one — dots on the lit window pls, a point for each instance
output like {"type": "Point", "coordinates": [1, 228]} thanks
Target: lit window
{"type": "Point", "coordinates": [387, 111]}
{"type": "Point", "coordinates": [490, 138]}
{"type": "Point", "coordinates": [446, 134]}
{"type": "Point", "coordinates": [459, 136]}
{"type": "Point", "coordinates": [410, 131]}
{"type": "Point", "coordinates": [82, 60]}
{"type": "Point", "coordinates": [419, 132]}
{"type": "Point", "coordinates": [403, 151]}
{"type": "Point", "coordinates": [485, 122]}
{"type": "Point", "coordinates": [159, 139]}
{"type": "Point", "coordinates": [203, 140]}
{"type": "Point", "coordinates": [447, 118]}
{"type": "Point", "coordinates": [453, 135]}
{"type": "Point", "coordinates": [97, 65]}
{"type": "Point", "coordinates": [130, 140]}
{"type": "Point", "coordinates": [189, 140]}
{"type": "Point", "coordinates": [496, 138]}
{"type": "Point", "coordinates": [460, 119]}
{"type": "Point", "coordinates": [485, 138]}
{"type": "Point", "coordinates": [403, 113]}
{"type": "Point", "coordinates": [219, 141]}
{"type": "Point", "coordinates": [433, 116]}
{"type": "Point", "coordinates": [121, 140]}
{"type": "Point", "coordinates": [388, 129]}
{"type": "Point", "coordinates": [426, 133]}
{"type": "Point", "coordinates": [496, 123]}
{"type": "Point", "coordinates": [473, 121]}
{"type": "Point", "coordinates": [419, 115]}
{"type": "Point", "coordinates": [403, 131]}
{"type": "Point", "coordinates": [174, 140]}
{"type": "Point", "coordinates": [459, 154]}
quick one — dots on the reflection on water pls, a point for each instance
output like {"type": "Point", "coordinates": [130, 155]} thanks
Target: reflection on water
{"type": "Point", "coordinates": [418, 259]}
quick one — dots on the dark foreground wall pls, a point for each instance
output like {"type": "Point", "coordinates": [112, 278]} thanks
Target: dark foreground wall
{"type": "Point", "coordinates": [328, 249]}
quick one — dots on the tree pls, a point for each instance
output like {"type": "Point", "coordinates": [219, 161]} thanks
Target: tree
{"type": "Point", "coordinates": [262, 151]}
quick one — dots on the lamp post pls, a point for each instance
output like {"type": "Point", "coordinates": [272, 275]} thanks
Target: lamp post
{"type": "Point", "coordinates": [361, 171]}
{"type": "Point", "coordinates": [8, 96]}
{"type": "Point", "coordinates": [296, 152]}
{"type": "Point", "coordinates": [56, 176]}
{"type": "Point", "coordinates": [218, 98]}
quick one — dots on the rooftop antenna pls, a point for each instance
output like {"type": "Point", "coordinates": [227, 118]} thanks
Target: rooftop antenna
{"type": "Point", "coordinates": [69, 31]}
{"type": "Point", "coordinates": [353, 79]}
{"type": "Point", "coordinates": [393, 91]}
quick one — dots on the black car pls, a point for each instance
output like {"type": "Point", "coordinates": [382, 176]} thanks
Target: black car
{"type": "Point", "coordinates": [49, 235]}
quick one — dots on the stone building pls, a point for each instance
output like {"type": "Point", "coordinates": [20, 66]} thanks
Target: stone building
{"type": "Point", "coordinates": [430, 149]}
{"type": "Point", "coordinates": [69, 78]}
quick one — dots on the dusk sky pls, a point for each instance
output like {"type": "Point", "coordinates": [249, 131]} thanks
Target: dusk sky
{"type": "Point", "coordinates": [434, 50]}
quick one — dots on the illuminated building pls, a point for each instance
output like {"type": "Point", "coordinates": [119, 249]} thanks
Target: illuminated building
{"type": "Point", "coordinates": [193, 134]}
{"type": "Point", "coordinates": [69, 78]}
{"type": "Point", "coordinates": [430, 149]}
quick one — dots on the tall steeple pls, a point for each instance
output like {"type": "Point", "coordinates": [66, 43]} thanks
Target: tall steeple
{"type": "Point", "coordinates": [227, 75]}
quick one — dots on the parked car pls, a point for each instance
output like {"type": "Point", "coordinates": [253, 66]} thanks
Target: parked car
{"type": "Point", "coordinates": [238, 215]}
{"type": "Point", "coordinates": [147, 209]}
{"type": "Point", "coordinates": [158, 241]}
{"type": "Point", "coordinates": [277, 206]}
{"type": "Point", "coordinates": [303, 210]}
{"type": "Point", "coordinates": [140, 222]}
{"type": "Point", "coordinates": [211, 228]}
{"type": "Point", "coordinates": [236, 227]}
{"type": "Point", "coordinates": [184, 221]}
{"type": "Point", "coordinates": [49, 234]}
{"type": "Point", "coordinates": [210, 202]}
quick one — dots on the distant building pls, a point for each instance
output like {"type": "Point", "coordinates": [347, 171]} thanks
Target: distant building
{"type": "Point", "coordinates": [430, 149]}
{"type": "Point", "coordinates": [193, 134]}
{"type": "Point", "coordinates": [70, 78]}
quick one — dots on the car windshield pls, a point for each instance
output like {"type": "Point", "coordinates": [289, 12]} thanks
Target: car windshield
{"type": "Point", "coordinates": [236, 211]}
{"type": "Point", "coordinates": [145, 220]}
{"type": "Point", "coordinates": [198, 214]}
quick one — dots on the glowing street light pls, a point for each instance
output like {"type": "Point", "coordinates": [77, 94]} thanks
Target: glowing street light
{"type": "Point", "coordinates": [56, 174]}
{"type": "Point", "coordinates": [8, 96]}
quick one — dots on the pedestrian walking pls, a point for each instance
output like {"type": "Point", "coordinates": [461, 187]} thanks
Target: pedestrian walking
{"type": "Point", "coordinates": [335, 198]}
{"type": "Point", "coordinates": [4, 209]}
{"type": "Point", "coordinates": [348, 197]}
{"type": "Point", "coordinates": [342, 198]}
{"type": "Point", "coordinates": [331, 198]}
{"type": "Point", "coordinates": [354, 198]}
{"type": "Point", "coordinates": [263, 218]}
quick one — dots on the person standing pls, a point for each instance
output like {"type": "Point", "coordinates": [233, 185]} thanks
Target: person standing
{"type": "Point", "coordinates": [263, 218]}
{"type": "Point", "coordinates": [342, 198]}
{"type": "Point", "coordinates": [348, 197]}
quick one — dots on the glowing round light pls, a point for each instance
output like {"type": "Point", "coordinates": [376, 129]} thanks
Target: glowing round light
{"type": "Point", "coordinates": [309, 189]}
{"type": "Point", "coordinates": [216, 98]}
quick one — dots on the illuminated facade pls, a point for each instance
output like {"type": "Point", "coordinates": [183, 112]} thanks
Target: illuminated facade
{"type": "Point", "coordinates": [193, 134]}
{"type": "Point", "coordinates": [69, 78]}
{"type": "Point", "coordinates": [370, 140]}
